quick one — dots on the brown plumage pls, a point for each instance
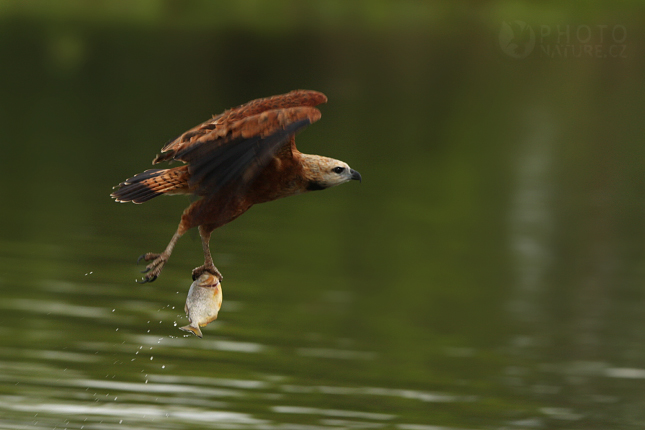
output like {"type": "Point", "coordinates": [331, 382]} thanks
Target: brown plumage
{"type": "Point", "coordinates": [244, 156]}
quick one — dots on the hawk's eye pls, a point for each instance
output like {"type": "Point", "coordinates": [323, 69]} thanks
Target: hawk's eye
{"type": "Point", "coordinates": [338, 169]}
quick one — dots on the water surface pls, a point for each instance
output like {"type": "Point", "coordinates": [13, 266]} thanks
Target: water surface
{"type": "Point", "coordinates": [487, 273]}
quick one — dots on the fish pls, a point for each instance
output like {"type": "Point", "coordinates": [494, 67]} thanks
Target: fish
{"type": "Point", "coordinates": [203, 303]}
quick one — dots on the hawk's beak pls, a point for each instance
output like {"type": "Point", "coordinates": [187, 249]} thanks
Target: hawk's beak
{"type": "Point", "coordinates": [355, 175]}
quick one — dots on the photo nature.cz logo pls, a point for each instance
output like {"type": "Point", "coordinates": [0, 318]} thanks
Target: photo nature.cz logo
{"type": "Point", "coordinates": [518, 40]}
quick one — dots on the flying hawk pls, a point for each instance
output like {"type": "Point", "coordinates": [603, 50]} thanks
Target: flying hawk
{"type": "Point", "coordinates": [244, 156]}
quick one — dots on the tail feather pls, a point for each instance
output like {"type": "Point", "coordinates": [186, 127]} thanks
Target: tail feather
{"type": "Point", "coordinates": [152, 183]}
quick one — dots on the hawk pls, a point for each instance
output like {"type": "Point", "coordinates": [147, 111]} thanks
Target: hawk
{"type": "Point", "coordinates": [244, 156]}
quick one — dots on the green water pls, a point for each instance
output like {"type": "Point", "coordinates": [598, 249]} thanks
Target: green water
{"type": "Point", "coordinates": [487, 273]}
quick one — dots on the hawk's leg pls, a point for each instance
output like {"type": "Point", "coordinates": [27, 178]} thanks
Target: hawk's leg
{"type": "Point", "coordinates": [153, 269]}
{"type": "Point", "coordinates": [208, 259]}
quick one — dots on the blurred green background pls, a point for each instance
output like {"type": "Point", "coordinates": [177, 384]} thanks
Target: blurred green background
{"type": "Point", "coordinates": [487, 273]}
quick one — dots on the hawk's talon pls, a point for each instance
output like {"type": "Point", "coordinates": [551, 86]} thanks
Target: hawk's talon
{"type": "Point", "coordinates": [154, 268]}
{"type": "Point", "coordinates": [148, 256]}
{"type": "Point", "coordinates": [197, 272]}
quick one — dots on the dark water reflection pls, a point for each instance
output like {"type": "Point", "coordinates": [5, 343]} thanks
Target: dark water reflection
{"type": "Point", "coordinates": [487, 273]}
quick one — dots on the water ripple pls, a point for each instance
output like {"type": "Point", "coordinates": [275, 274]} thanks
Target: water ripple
{"type": "Point", "coordinates": [330, 412]}
{"type": "Point", "coordinates": [376, 391]}
{"type": "Point", "coordinates": [188, 341]}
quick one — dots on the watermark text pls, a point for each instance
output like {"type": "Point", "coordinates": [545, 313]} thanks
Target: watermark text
{"type": "Point", "coordinates": [519, 40]}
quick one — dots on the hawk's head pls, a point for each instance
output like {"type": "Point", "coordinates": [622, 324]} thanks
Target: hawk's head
{"type": "Point", "coordinates": [325, 172]}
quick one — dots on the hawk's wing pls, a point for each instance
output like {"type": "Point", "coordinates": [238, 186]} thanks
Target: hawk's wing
{"type": "Point", "coordinates": [292, 99]}
{"type": "Point", "coordinates": [239, 150]}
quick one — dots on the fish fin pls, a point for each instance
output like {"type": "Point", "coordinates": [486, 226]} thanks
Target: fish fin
{"type": "Point", "coordinates": [193, 329]}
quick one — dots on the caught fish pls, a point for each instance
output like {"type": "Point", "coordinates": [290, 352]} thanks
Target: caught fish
{"type": "Point", "coordinates": [203, 302]}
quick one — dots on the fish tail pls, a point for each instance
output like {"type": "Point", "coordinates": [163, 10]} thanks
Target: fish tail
{"type": "Point", "coordinates": [193, 329]}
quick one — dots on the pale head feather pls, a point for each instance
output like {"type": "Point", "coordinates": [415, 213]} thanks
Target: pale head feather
{"type": "Point", "coordinates": [326, 172]}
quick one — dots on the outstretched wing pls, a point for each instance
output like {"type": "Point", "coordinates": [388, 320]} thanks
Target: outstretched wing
{"type": "Point", "coordinates": [297, 98]}
{"type": "Point", "coordinates": [239, 150]}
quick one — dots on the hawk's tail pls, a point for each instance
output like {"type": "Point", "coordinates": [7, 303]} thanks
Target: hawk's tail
{"type": "Point", "coordinates": [152, 183]}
